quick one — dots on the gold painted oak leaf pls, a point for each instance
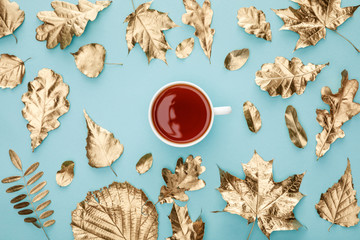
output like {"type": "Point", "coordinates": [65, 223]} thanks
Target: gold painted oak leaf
{"type": "Point", "coordinates": [11, 17]}
{"type": "Point", "coordinates": [45, 101]}
{"type": "Point", "coordinates": [67, 20]}
{"type": "Point", "coordinates": [117, 212]}
{"type": "Point", "coordinates": [200, 18]}
{"type": "Point", "coordinates": [146, 26]}
{"type": "Point", "coordinates": [254, 22]}
{"type": "Point", "coordinates": [339, 204]}
{"type": "Point", "coordinates": [342, 109]}
{"type": "Point", "coordinates": [185, 178]}
{"type": "Point", "coordinates": [182, 225]}
{"type": "Point", "coordinates": [12, 71]}
{"type": "Point", "coordinates": [258, 197]}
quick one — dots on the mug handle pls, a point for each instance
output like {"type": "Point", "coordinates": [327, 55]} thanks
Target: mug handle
{"type": "Point", "coordinates": [222, 110]}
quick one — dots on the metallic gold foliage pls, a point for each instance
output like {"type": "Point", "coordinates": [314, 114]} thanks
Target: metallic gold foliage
{"type": "Point", "coordinates": [252, 116]}
{"type": "Point", "coordinates": [67, 20]}
{"type": "Point", "coordinates": [119, 211]}
{"type": "Point", "coordinates": [286, 77]}
{"type": "Point", "coordinates": [144, 164]}
{"type": "Point", "coordinates": [185, 178]}
{"type": "Point", "coordinates": [66, 174]}
{"type": "Point", "coordinates": [184, 49]}
{"type": "Point", "coordinates": [339, 204]}
{"type": "Point", "coordinates": [12, 71]}
{"type": "Point", "coordinates": [11, 17]}
{"type": "Point", "coordinates": [15, 159]}
{"type": "Point", "coordinates": [297, 133]}
{"type": "Point", "coordinates": [90, 59]}
{"type": "Point", "coordinates": [102, 148]}
{"type": "Point", "coordinates": [236, 59]}
{"type": "Point", "coordinates": [146, 26]}
{"type": "Point", "coordinates": [200, 18]}
{"type": "Point", "coordinates": [44, 102]}
{"type": "Point", "coordinates": [342, 109]}
{"type": "Point", "coordinates": [254, 22]}
{"type": "Point", "coordinates": [182, 225]}
{"type": "Point", "coordinates": [258, 197]}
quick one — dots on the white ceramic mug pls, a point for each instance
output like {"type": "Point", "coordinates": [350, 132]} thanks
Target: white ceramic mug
{"type": "Point", "coordinates": [214, 111]}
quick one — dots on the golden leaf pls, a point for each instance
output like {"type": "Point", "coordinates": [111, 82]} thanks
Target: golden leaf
{"type": "Point", "coordinates": [44, 102]}
{"type": "Point", "coordinates": [297, 133]}
{"type": "Point", "coordinates": [258, 197]}
{"type": "Point", "coordinates": [185, 178]}
{"type": "Point", "coordinates": [236, 59]}
{"type": "Point", "coordinates": [15, 159]}
{"type": "Point", "coordinates": [184, 49]}
{"type": "Point", "coordinates": [254, 22]}
{"type": "Point", "coordinates": [146, 26]}
{"type": "Point", "coordinates": [252, 116]}
{"type": "Point", "coordinates": [12, 71]}
{"type": "Point", "coordinates": [200, 18]}
{"type": "Point", "coordinates": [144, 164]}
{"type": "Point", "coordinates": [339, 204]}
{"type": "Point", "coordinates": [90, 59]}
{"type": "Point", "coordinates": [119, 211]}
{"type": "Point", "coordinates": [66, 174]}
{"type": "Point", "coordinates": [342, 109]}
{"type": "Point", "coordinates": [286, 77]}
{"type": "Point", "coordinates": [182, 225]}
{"type": "Point", "coordinates": [11, 17]}
{"type": "Point", "coordinates": [67, 20]}
{"type": "Point", "coordinates": [102, 148]}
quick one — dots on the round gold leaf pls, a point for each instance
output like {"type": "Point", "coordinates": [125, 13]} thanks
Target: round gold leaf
{"type": "Point", "coordinates": [90, 59]}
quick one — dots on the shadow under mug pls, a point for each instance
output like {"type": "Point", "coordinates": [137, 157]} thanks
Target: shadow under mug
{"type": "Point", "coordinates": [214, 111]}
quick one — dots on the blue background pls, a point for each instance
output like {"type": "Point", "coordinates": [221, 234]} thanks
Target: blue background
{"type": "Point", "coordinates": [118, 101]}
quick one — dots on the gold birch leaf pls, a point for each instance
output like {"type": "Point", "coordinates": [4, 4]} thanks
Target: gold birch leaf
{"type": "Point", "coordinates": [119, 211]}
{"type": "Point", "coordinates": [339, 204]}
{"type": "Point", "coordinates": [185, 178]}
{"type": "Point", "coordinates": [66, 174]}
{"type": "Point", "coordinates": [184, 49]}
{"type": "Point", "coordinates": [144, 164]}
{"type": "Point", "coordinates": [286, 77]}
{"type": "Point", "coordinates": [67, 20]}
{"type": "Point", "coordinates": [297, 133]}
{"type": "Point", "coordinates": [182, 225]}
{"type": "Point", "coordinates": [11, 17]}
{"type": "Point", "coordinates": [12, 71]}
{"type": "Point", "coordinates": [146, 26]}
{"type": "Point", "coordinates": [44, 102]}
{"type": "Point", "coordinates": [252, 116]}
{"type": "Point", "coordinates": [342, 109]}
{"type": "Point", "coordinates": [15, 159]}
{"type": "Point", "coordinates": [200, 18]}
{"type": "Point", "coordinates": [258, 197]}
{"type": "Point", "coordinates": [102, 148]}
{"type": "Point", "coordinates": [236, 59]}
{"type": "Point", "coordinates": [254, 22]}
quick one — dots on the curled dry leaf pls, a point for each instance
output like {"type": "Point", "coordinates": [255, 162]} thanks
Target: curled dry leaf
{"type": "Point", "coordinates": [200, 18]}
{"type": "Point", "coordinates": [236, 59]}
{"type": "Point", "coordinates": [185, 178]}
{"type": "Point", "coordinates": [119, 211]}
{"type": "Point", "coordinates": [252, 116]}
{"type": "Point", "coordinates": [67, 20]}
{"type": "Point", "coordinates": [184, 49]}
{"type": "Point", "coordinates": [11, 17]}
{"type": "Point", "coordinates": [44, 102]}
{"type": "Point", "coordinates": [342, 109]}
{"type": "Point", "coordinates": [12, 71]}
{"type": "Point", "coordinates": [66, 174]}
{"type": "Point", "coordinates": [286, 77]}
{"type": "Point", "coordinates": [144, 164]}
{"type": "Point", "coordinates": [254, 22]}
{"type": "Point", "coordinates": [339, 204]}
{"type": "Point", "coordinates": [146, 26]}
{"type": "Point", "coordinates": [258, 197]}
{"type": "Point", "coordinates": [90, 59]}
{"type": "Point", "coordinates": [182, 225]}
{"type": "Point", "coordinates": [102, 148]}
{"type": "Point", "coordinates": [297, 133]}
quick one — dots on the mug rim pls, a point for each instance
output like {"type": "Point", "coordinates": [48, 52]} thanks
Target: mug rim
{"type": "Point", "coordinates": [158, 135]}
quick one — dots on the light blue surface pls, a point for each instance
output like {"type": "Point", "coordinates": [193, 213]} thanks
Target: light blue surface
{"type": "Point", "coordinates": [118, 101]}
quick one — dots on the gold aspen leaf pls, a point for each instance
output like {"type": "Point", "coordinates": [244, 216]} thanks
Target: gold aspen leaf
{"type": "Point", "coordinates": [102, 148]}
{"type": "Point", "coordinates": [67, 20]}
{"type": "Point", "coordinates": [200, 18]}
{"type": "Point", "coordinates": [146, 26]}
{"type": "Point", "coordinates": [339, 204]}
{"type": "Point", "coordinates": [258, 197]}
{"type": "Point", "coordinates": [254, 22]}
{"type": "Point", "coordinates": [44, 102]}
{"type": "Point", "coordinates": [342, 109]}
{"type": "Point", "coordinates": [252, 116]}
{"type": "Point", "coordinates": [11, 17]}
{"type": "Point", "coordinates": [286, 77]}
{"type": "Point", "coordinates": [297, 133]}
{"type": "Point", "coordinates": [12, 71]}
{"type": "Point", "coordinates": [184, 49]}
{"type": "Point", "coordinates": [144, 164]}
{"type": "Point", "coordinates": [119, 211]}
{"type": "Point", "coordinates": [185, 178]}
{"type": "Point", "coordinates": [236, 59]}
{"type": "Point", "coordinates": [66, 174]}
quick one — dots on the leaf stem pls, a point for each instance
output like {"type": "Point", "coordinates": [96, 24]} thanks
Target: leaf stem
{"type": "Point", "coordinates": [330, 227]}
{"type": "Point", "coordinates": [15, 37]}
{"type": "Point", "coordinates": [132, 2]}
{"type": "Point", "coordinates": [114, 64]}
{"type": "Point", "coordinates": [27, 59]}
{"type": "Point", "coordinates": [113, 171]}
{"type": "Point", "coordinates": [251, 230]}
{"type": "Point", "coordinates": [347, 40]}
